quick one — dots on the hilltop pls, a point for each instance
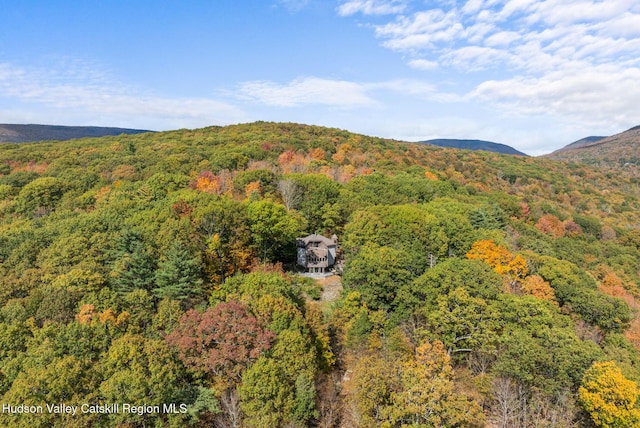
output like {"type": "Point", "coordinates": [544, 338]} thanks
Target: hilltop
{"type": "Point", "coordinates": [583, 142]}
{"type": "Point", "coordinates": [29, 133]}
{"type": "Point", "coordinates": [617, 151]}
{"type": "Point", "coordinates": [475, 145]}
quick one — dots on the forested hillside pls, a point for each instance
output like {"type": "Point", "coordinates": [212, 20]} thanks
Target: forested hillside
{"type": "Point", "coordinates": [478, 289]}
{"type": "Point", "coordinates": [619, 151]}
{"type": "Point", "coordinates": [475, 145]}
{"type": "Point", "coordinates": [10, 133]}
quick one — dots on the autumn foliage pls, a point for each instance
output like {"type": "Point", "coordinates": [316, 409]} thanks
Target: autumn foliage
{"type": "Point", "coordinates": [609, 397]}
{"type": "Point", "coordinates": [512, 268]}
{"type": "Point", "coordinates": [221, 341]}
{"type": "Point", "coordinates": [536, 286]}
{"type": "Point", "coordinates": [477, 289]}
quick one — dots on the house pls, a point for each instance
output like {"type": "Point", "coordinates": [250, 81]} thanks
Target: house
{"type": "Point", "coordinates": [317, 253]}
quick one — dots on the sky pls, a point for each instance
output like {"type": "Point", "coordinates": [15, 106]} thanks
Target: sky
{"type": "Point", "coordinates": [533, 74]}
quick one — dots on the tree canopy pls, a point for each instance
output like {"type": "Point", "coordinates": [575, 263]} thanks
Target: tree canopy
{"type": "Point", "coordinates": [476, 288]}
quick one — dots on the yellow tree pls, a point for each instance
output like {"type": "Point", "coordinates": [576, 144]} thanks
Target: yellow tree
{"type": "Point", "coordinates": [253, 190]}
{"type": "Point", "coordinates": [209, 183]}
{"type": "Point", "coordinates": [512, 268]}
{"type": "Point", "coordinates": [609, 397]}
{"type": "Point", "coordinates": [428, 396]}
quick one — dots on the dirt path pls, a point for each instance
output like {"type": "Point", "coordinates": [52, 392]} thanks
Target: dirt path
{"type": "Point", "coordinates": [331, 288]}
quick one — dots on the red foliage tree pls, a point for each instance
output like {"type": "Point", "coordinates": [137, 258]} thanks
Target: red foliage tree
{"type": "Point", "coordinates": [222, 341]}
{"type": "Point", "coordinates": [551, 225]}
{"type": "Point", "coordinates": [571, 228]}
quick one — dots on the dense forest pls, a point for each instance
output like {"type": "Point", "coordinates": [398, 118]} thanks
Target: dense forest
{"type": "Point", "coordinates": [150, 280]}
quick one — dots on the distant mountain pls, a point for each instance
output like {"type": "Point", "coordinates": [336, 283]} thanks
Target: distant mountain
{"type": "Point", "coordinates": [584, 141]}
{"type": "Point", "coordinates": [620, 150]}
{"type": "Point", "coordinates": [27, 133]}
{"type": "Point", "coordinates": [475, 145]}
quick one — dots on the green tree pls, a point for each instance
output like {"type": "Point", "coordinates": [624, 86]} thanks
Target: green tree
{"type": "Point", "coordinates": [305, 399]}
{"type": "Point", "coordinates": [267, 399]}
{"type": "Point", "coordinates": [205, 405]}
{"type": "Point", "coordinates": [54, 304]}
{"type": "Point", "coordinates": [454, 222]}
{"type": "Point", "coordinates": [317, 190]}
{"type": "Point", "coordinates": [40, 196]}
{"type": "Point", "coordinates": [576, 289]}
{"type": "Point", "coordinates": [463, 323]}
{"type": "Point", "coordinates": [373, 189]}
{"type": "Point", "coordinates": [255, 285]}
{"type": "Point", "coordinates": [135, 265]}
{"type": "Point", "coordinates": [404, 227]}
{"type": "Point", "coordinates": [167, 315]}
{"type": "Point", "coordinates": [539, 348]}
{"type": "Point", "coordinates": [274, 230]}
{"type": "Point", "coordinates": [488, 217]}
{"type": "Point", "coordinates": [265, 177]}
{"type": "Point", "coordinates": [474, 276]}
{"type": "Point", "coordinates": [178, 274]}
{"type": "Point", "coordinates": [45, 378]}
{"type": "Point", "coordinates": [378, 273]}
{"type": "Point", "coordinates": [141, 372]}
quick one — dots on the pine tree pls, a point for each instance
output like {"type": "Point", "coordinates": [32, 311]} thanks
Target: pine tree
{"type": "Point", "coordinates": [134, 267]}
{"type": "Point", "coordinates": [178, 274]}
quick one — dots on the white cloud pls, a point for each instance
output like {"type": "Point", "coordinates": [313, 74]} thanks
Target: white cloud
{"type": "Point", "coordinates": [418, 88]}
{"type": "Point", "coordinates": [575, 59]}
{"type": "Point", "coordinates": [571, 12]}
{"type": "Point", "coordinates": [502, 38]}
{"type": "Point", "coordinates": [473, 58]}
{"type": "Point", "coordinates": [513, 7]}
{"type": "Point", "coordinates": [86, 92]}
{"type": "Point", "coordinates": [598, 31]}
{"type": "Point", "coordinates": [310, 91]}
{"type": "Point", "coordinates": [423, 64]}
{"type": "Point", "coordinates": [624, 25]}
{"type": "Point", "coordinates": [472, 7]}
{"type": "Point", "coordinates": [371, 7]}
{"type": "Point", "coordinates": [602, 96]}
{"type": "Point", "coordinates": [306, 91]}
{"type": "Point", "coordinates": [433, 25]}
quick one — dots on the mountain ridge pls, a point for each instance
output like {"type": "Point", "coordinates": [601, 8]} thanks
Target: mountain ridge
{"type": "Point", "coordinates": [584, 141]}
{"type": "Point", "coordinates": [24, 133]}
{"type": "Point", "coordinates": [618, 150]}
{"type": "Point", "coordinates": [472, 144]}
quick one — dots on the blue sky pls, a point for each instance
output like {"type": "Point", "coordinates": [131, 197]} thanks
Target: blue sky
{"type": "Point", "coordinates": [534, 74]}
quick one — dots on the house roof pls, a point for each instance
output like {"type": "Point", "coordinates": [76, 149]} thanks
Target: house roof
{"type": "Point", "coordinates": [317, 238]}
{"type": "Point", "coordinates": [317, 252]}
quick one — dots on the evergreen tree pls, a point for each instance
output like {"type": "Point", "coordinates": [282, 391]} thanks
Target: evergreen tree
{"type": "Point", "coordinates": [134, 267]}
{"type": "Point", "coordinates": [178, 274]}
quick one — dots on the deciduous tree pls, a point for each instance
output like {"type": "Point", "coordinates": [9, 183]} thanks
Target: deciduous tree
{"type": "Point", "coordinates": [220, 342]}
{"type": "Point", "coordinates": [378, 273]}
{"type": "Point", "coordinates": [609, 397]}
{"type": "Point", "coordinates": [512, 268]}
{"type": "Point", "coordinates": [274, 230]}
